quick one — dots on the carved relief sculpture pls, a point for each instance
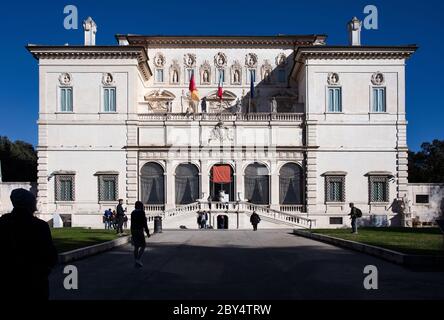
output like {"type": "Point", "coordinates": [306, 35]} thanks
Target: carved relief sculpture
{"type": "Point", "coordinates": [220, 60]}
{"type": "Point", "coordinates": [174, 72]}
{"type": "Point", "coordinates": [333, 78]}
{"type": "Point", "coordinates": [236, 73]}
{"type": "Point", "coordinates": [378, 79]}
{"type": "Point", "coordinates": [266, 71]}
{"type": "Point", "coordinates": [205, 73]}
{"type": "Point", "coordinates": [189, 60]}
{"type": "Point", "coordinates": [107, 79]}
{"type": "Point", "coordinates": [65, 79]}
{"type": "Point", "coordinates": [281, 60]}
{"type": "Point", "coordinates": [160, 101]}
{"type": "Point", "coordinates": [159, 60]}
{"type": "Point", "coordinates": [251, 60]}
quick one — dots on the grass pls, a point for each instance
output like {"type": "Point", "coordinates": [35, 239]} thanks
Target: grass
{"type": "Point", "coordinates": [67, 239]}
{"type": "Point", "coordinates": [423, 241]}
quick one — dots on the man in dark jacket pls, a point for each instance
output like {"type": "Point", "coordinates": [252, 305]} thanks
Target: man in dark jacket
{"type": "Point", "coordinates": [255, 219]}
{"type": "Point", "coordinates": [138, 226]}
{"type": "Point", "coordinates": [120, 216]}
{"type": "Point", "coordinates": [27, 251]}
{"type": "Point", "coordinates": [354, 214]}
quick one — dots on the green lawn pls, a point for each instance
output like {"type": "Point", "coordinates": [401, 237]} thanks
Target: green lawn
{"type": "Point", "coordinates": [67, 239]}
{"type": "Point", "coordinates": [422, 241]}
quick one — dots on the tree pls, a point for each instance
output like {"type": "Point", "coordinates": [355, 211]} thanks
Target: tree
{"type": "Point", "coordinates": [18, 161]}
{"type": "Point", "coordinates": [427, 165]}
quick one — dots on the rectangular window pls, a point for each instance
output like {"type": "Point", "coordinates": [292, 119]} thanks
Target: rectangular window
{"type": "Point", "coordinates": [221, 73]}
{"type": "Point", "coordinates": [159, 75]}
{"type": "Point", "coordinates": [379, 100]}
{"type": "Point", "coordinates": [336, 220]}
{"type": "Point", "coordinates": [422, 198]}
{"type": "Point", "coordinates": [108, 188]}
{"type": "Point", "coordinates": [334, 99]}
{"type": "Point", "coordinates": [251, 75]}
{"type": "Point", "coordinates": [64, 188]}
{"type": "Point", "coordinates": [335, 189]}
{"type": "Point", "coordinates": [66, 99]}
{"type": "Point", "coordinates": [109, 99]}
{"type": "Point", "coordinates": [379, 189]}
{"type": "Point", "coordinates": [281, 76]}
{"type": "Point", "coordinates": [189, 74]}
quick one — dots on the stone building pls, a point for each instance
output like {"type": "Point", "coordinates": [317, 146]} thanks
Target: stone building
{"type": "Point", "coordinates": [302, 129]}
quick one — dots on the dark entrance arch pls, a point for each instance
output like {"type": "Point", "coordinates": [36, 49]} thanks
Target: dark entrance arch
{"type": "Point", "coordinates": [187, 183]}
{"type": "Point", "coordinates": [291, 184]}
{"type": "Point", "coordinates": [152, 183]}
{"type": "Point", "coordinates": [257, 184]}
{"type": "Point", "coordinates": [222, 178]}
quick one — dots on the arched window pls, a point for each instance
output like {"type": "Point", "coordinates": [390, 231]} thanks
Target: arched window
{"type": "Point", "coordinates": [291, 184]}
{"type": "Point", "coordinates": [187, 183]}
{"type": "Point", "coordinates": [152, 182]}
{"type": "Point", "coordinates": [257, 184]}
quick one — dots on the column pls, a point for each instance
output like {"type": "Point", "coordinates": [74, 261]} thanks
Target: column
{"type": "Point", "coordinates": [239, 178]}
{"type": "Point", "coordinates": [170, 195]}
{"type": "Point", "coordinates": [204, 179]}
{"type": "Point", "coordinates": [274, 192]}
{"type": "Point", "coordinates": [311, 166]}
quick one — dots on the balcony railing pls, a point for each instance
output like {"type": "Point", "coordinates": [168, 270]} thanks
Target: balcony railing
{"type": "Point", "coordinates": [259, 117]}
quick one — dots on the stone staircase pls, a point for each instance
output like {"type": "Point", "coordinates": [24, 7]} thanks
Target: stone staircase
{"type": "Point", "coordinates": [266, 214]}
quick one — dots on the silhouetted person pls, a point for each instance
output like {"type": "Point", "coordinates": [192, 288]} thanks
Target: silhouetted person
{"type": "Point", "coordinates": [27, 251]}
{"type": "Point", "coordinates": [255, 219]}
{"type": "Point", "coordinates": [138, 226]}
{"type": "Point", "coordinates": [354, 214]}
{"type": "Point", "coordinates": [120, 216]}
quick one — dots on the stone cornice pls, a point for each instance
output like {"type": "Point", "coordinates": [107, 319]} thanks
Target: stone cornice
{"type": "Point", "coordinates": [94, 52]}
{"type": "Point", "coordinates": [361, 52]}
{"type": "Point", "coordinates": [279, 40]}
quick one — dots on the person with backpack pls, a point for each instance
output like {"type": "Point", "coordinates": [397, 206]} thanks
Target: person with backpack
{"type": "Point", "coordinates": [355, 214]}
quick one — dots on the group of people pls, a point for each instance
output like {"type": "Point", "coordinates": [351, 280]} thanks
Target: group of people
{"type": "Point", "coordinates": [202, 219]}
{"type": "Point", "coordinates": [116, 219]}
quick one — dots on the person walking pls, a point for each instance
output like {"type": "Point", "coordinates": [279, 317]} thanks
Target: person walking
{"type": "Point", "coordinates": [107, 217]}
{"type": "Point", "coordinates": [27, 250]}
{"type": "Point", "coordinates": [355, 214]}
{"type": "Point", "coordinates": [138, 226]}
{"type": "Point", "coordinates": [120, 215]}
{"type": "Point", "coordinates": [255, 219]}
{"type": "Point", "coordinates": [203, 220]}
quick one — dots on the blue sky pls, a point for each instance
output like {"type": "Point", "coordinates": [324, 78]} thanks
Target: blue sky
{"type": "Point", "coordinates": [400, 22]}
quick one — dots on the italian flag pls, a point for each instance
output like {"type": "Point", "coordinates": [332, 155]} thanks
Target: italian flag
{"type": "Point", "coordinates": [193, 89]}
{"type": "Point", "coordinates": [220, 91]}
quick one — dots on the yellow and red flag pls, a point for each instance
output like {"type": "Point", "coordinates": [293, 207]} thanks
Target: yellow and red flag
{"type": "Point", "coordinates": [193, 89]}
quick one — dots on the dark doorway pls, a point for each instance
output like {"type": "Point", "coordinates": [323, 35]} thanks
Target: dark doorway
{"type": "Point", "coordinates": [222, 178]}
{"type": "Point", "coordinates": [222, 222]}
{"type": "Point", "coordinates": [187, 183]}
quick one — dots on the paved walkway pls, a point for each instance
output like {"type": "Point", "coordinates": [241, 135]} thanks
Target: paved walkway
{"type": "Point", "coordinates": [241, 265]}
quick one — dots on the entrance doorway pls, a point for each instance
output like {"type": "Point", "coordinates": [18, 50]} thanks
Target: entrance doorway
{"type": "Point", "coordinates": [222, 179]}
{"type": "Point", "coordinates": [222, 222]}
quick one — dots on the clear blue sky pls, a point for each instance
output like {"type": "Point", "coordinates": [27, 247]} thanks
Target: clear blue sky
{"type": "Point", "coordinates": [400, 22]}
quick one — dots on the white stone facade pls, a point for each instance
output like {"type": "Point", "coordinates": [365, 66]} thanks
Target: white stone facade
{"type": "Point", "coordinates": [287, 122]}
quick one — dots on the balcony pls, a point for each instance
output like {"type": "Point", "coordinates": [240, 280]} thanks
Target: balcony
{"type": "Point", "coordinates": [251, 117]}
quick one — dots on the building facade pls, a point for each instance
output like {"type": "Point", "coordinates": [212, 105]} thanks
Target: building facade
{"type": "Point", "coordinates": [302, 129]}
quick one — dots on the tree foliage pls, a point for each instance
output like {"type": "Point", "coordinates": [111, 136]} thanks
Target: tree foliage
{"type": "Point", "coordinates": [427, 165]}
{"type": "Point", "coordinates": [18, 161]}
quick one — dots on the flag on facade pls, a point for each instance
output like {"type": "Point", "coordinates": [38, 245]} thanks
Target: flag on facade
{"type": "Point", "coordinates": [220, 91]}
{"type": "Point", "coordinates": [193, 89]}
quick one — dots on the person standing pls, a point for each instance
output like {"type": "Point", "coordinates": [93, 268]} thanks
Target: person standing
{"type": "Point", "coordinates": [108, 218]}
{"type": "Point", "coordinates": [120, 215]}
{"type": "Point", "coordinates": [354, 214]}
{"type": "Point", "coordinates": [28, 253]}
{"type": "Point", "coordinates": [138, 226]}
{"type": "Point", "coordinates": [203, 220]}
{"type": "Point", "coordinates": [255, 219]}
